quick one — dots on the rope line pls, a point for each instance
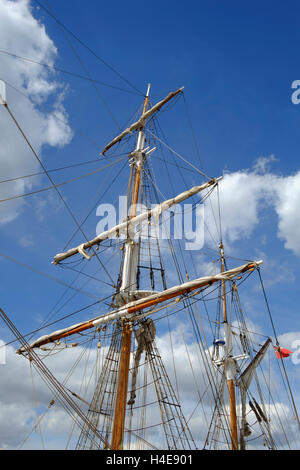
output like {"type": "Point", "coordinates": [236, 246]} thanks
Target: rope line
{"type": "Point", "coordinates": [88, 48]}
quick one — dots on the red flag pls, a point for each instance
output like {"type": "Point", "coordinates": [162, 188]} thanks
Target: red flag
{"type": "Point", "coordinates": [282, 352]}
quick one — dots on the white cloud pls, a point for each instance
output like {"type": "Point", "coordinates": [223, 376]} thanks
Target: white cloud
{"type": "Point", "coordinates": [290, 340]}
{"type": "Point", "coordinates": [18, 417]}
{"type": "Point", "coordinates": [287, 208]}
{"type": "Point", "coordinates": [242, 194]}
{"type": "Point", "coordinates": [20, 394]}
{"type": "Point", "coordinates": [273, 275]}
{"type": "Point", "coordinates": [243, 197]}
{"type": "Point", "coordinates": [23, 35]}
{"type": "Point", "coordinates": [26, 241]}
{"type": "Point", "coordinates": [262, 164]}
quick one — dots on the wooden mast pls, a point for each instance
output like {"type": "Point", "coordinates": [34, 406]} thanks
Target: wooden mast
{"type": "Point", "coordinates": [229, 362]}
{"type": "Point", "coordinates": [122, 387]}
{"type": "Point", "coordinates": [120, 404]}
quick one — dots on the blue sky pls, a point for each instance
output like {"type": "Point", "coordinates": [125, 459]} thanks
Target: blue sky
{"type": "Point", "coordinates": [237, 62]}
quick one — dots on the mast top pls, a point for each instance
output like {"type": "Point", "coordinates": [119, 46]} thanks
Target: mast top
{"type": "Point", "coordinates": [146, 114]}
{"type": "Point", "coordinates": [146, 99]}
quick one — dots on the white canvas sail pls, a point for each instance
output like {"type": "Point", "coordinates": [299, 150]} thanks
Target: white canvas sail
{"type": "Point", "coordinates": [146, 302]}
{"type": "Point", "coordinates": [127, 226]}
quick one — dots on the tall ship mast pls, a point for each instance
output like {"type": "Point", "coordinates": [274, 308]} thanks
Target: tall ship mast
{"type": "Point", "coordinates": [173, 363]}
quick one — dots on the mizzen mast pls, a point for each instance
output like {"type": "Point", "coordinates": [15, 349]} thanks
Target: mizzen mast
{"type": "Point", "coordinates": [229, 361]}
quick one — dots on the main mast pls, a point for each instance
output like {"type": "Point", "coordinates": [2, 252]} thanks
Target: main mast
{"type": "Point", "coordinates": [128, 284]}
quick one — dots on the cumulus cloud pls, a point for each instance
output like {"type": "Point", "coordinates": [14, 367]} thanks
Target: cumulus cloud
{"type": "Point", "coordinates": [287, 208]}
{"type": "Point", "coordinates": [24, 35]}
{"type": "Point", "coordinates": [24, 397]}
{"type": "Point", "coordinates": [245, 194]}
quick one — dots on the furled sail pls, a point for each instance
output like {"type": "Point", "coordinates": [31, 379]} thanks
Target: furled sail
{"type": "Point", "coordinates": [149, 301]}
{"type": "Point", "coordinates": [127, 226]}
{"type": "Point", "coordinates": [141, 122]}
{"type": "Point", "coordinates": [247, 376]}
{"type": "Point", "coordinates": [244, 383]}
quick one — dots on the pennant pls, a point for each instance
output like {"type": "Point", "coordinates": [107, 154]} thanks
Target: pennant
{"type": "Point", "coordinates": [282, 352]}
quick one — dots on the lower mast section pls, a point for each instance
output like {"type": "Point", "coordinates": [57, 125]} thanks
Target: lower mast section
{"type": "Point", "coordinates": [120, 406]}
{"type": "Point", "coordinates": [233, 417]}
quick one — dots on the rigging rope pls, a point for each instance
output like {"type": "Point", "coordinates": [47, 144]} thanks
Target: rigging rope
{"type": "Point", "coordinates": [178, 155]}
{"type": "Point", "coordinates": [87, 73]}
{"type": "Point", "coordinates": [49, 276]}
{"type": "Point", "coordinates": [66, 401]}
{"type": "Point", "coordinates": [77, 178]}
{"type": "Point", "coordinates": [58, 69]}
{"type": "Point", "coordinates": [53, 184]}
{"type": "Point", "coordinates": [277, 344]}
{"type": "Point", "coordinates": [50, 171]}
{"type": "Point", "coordinates": [53, 113]}
{"type": "Point", "coordinates": [88, 48]}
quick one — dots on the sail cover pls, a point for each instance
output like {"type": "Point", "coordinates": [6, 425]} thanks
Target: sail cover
{"type": "Point", "coordinates": [127, 226]}
{"type": "Point", "coordinates": [136, 306]}
{"type": "Point", "coordinates": [141, 122]}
